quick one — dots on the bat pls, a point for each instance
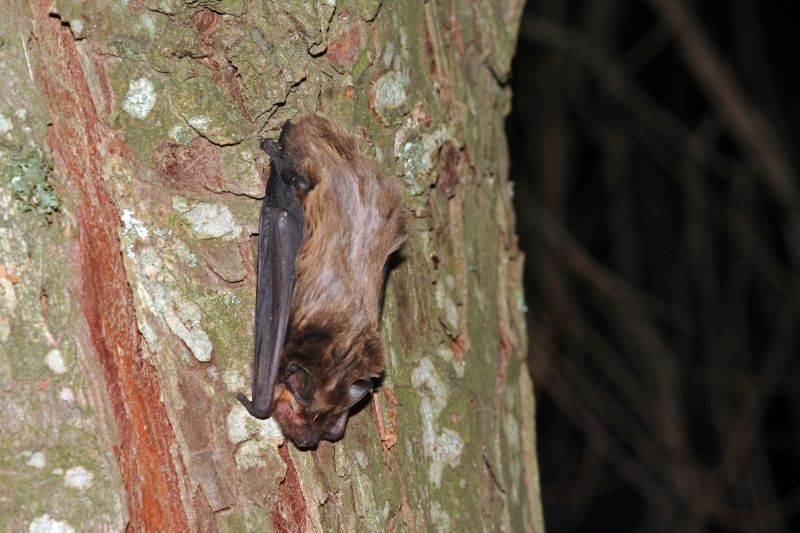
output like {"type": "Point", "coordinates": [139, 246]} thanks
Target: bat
{"type": "Point", "coordinates": [327, 227]}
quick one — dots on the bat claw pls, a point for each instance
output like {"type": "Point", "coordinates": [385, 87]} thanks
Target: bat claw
{"type": "Point", "coordinates": [272, 148]}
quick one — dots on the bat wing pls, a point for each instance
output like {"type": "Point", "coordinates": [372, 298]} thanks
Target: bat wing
{"type": "Point", "coordinates": [279, 240]}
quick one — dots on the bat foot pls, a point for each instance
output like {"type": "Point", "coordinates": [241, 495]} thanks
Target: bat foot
{"type": "Point", "coordinates": [271, 147]}
{"type": "Point", "coordinates": [263, 414]}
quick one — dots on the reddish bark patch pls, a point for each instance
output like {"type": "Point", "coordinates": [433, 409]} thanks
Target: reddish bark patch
{"type": "Point", "coordinates": [453, 28]}
{"type": "Point", "coordinates": [99, 61]}
{"type": "Point", "coordinates": [288, 513]}
{"type": "Point", "coordinates": [227, 78]}
{"type": "Point", "coordinates": [248, 251]}
{"type": "Point", "coordinates": [343, 51]}
{"type": "Point", "coordinates": [430, 53]}
{"type": "Point", "coordinates": [387, 427]}
{"type": "Point", "coordinates": [10, 276]}
{"type": "Point", "coordinates": [192, 167]}
{"type": "Point", "coordinates": [458, 349]}
{"type": "Point", "coordinates": [448, 169]}
{"type": "Point", "coordinates": [204, 21]}
{"type": "Point", "coordinates": [504, 352]}
{"type": "Point", "coordinates": [79, 142]}
{"type": "Point", "coordinates": [203, 515]}
{"type": "Point", "coordinates": [477, 35]}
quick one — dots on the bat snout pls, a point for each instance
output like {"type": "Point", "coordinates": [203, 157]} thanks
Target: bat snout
{"type": "Point", "coordinates": [306, 442]}
{"type": "Point", "coordinates": [292, 418]}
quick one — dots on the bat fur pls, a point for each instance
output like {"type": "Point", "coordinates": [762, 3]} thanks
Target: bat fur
{"type": "Point", "coordinates": [348, 223]}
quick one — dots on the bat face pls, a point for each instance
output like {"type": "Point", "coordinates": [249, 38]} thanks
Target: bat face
{"type": "Point", "coordinates": [306, 426]}
{"type": "Point", "coordinates": [313, 397]}
{"type": "Point", "coordinates": [328, 225]}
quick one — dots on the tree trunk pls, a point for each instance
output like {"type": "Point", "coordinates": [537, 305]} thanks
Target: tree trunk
{"type": "Point", "coordinates": [131, 179]}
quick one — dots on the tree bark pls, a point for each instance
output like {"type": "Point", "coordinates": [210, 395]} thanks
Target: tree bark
{"type": "Point", "coordinates": [131, 179]}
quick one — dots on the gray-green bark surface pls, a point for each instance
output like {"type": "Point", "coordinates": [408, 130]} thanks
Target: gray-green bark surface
{"type": "Point", "coordinates": [130, 179]}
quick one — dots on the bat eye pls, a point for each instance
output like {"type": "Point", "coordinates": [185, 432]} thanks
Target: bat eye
{"type": "Point", "coordinates": [299, 382]}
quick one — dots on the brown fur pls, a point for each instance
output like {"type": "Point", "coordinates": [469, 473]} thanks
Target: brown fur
{"type": "Point", "coordinates": [353, 222]}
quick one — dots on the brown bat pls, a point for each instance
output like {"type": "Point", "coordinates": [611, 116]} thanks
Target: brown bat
{"type": "Point", "coordinates": [328, 225]}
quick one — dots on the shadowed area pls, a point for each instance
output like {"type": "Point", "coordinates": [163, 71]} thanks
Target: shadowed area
{"type": "Point", "coordinates": [654, 149]}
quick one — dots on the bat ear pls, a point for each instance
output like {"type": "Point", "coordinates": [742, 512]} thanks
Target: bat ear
{"type": "Point", "coordinates": [299, 382]}
{"type": "Point", "coordinates": [336, 432]}
{"type": "Point", "coordinates": [358, 390]}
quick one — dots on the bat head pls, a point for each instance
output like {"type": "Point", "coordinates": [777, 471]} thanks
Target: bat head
{"type": "Point", "coordinates": [323, 379]}
{"type": "Point", "coordinates": [304, 424]}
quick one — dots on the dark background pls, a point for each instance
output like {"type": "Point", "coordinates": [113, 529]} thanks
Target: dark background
{"type": "Point", "coordinates": [654, 147]}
